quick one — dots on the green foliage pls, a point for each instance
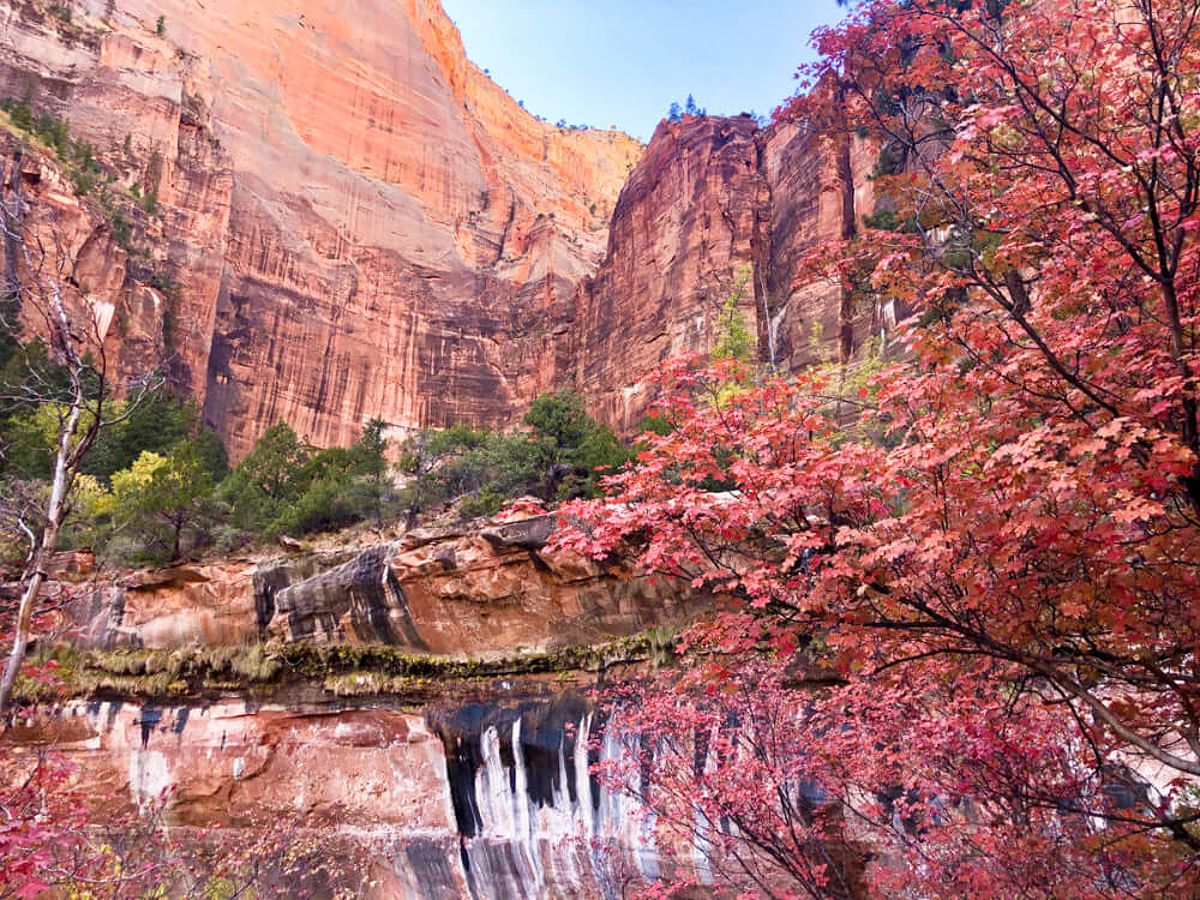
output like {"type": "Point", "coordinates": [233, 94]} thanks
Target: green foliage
{"type": "Point", "coordinates": [328, 503]}
{"type": "Point", "coordinates": [657, 423]}
{"type": "Point", "coordinates": [559, 419]}
{"type": "Point", "coordinates": [20, 111]}
{"type": "Point", "coordinates": [464, 462]}
{"type": "Point", "coordinates": [161, 479]}
{"type": "Point", "coordinates": [158, 481]}
{"type": "Point", "coordinates": [118, 223]}
{"type": "Point", "coordinates": [133, 521]}
{"type": "Point", "coordinates": [157, 424]}
{"type": "Point", "coordinates": [286, 487]}
{"type": "Point", "coordinates": [734, 338]}
{"type": "Point", "coordinates": [274, 466]}
{"type": "Point", "coordinates": [265, 482]}
{"type": "Point", "coordinates": [573, 449]}
{"type": "Point", "coordinates": [158, 501]}
{"type": "Point", "coordinates": [55, 133]}
{"type": "Point", "coordinates": [28, 442]}
{"type": "Point", "coordinates": [29, 415]}
{"type": "Point", "coordinates": [372, 465]}
{"type": "Point", "coordinates": [563, 455]}
{"type": "Point", "coordinates": [886, 220]}
{"type": "Point", "coordinates": [154, 170]}
{"type": "Point", "coordinates": [160, 26]}
{"type": "Point", "coordinates": [164, 503]}
{"type": "Point", "coordinates": [486, 502]}
{"type": "Point", "coordinates": [891, 160]}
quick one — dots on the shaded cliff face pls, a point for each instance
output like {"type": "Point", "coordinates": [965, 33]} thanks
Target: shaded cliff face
{"type": "Point", "coordinates": [817, 194]}
{"type": "Point", "coordinates": [359, 221]}
{"type": "Point", "coordinates": [687, 233]}
{"type": "Point", "coordinates": [718, 208]}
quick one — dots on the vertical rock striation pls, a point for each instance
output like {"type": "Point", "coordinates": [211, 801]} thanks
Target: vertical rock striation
{"type": "Point", "coordinates": [718, 208]}
{"type": "Point", "coordinates": [340, 217]}
{"type": "Point", "coordinates": [810, 200]}
{"type": "Point", "coordinates": [688, 231]}
{"type": "Point", "coordinates": [354, 220]}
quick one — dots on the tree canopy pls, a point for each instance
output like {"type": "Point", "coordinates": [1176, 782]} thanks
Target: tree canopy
{"type": "Point", "coordinates": [992, 571]}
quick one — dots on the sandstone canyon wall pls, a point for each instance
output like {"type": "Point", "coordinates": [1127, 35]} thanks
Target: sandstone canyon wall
{"type": "Point", "coordinates": [360, 223]}
{"type": "Point", "coordinates": [463, 775]}
{"type": "Point", "coordinates": [452, 591]}
{"type": "Point", "coordinates": [488, 798]}
{"type": "Point", "coordinates": [719, 207]}
{"type": "Point", "coordinates": [351, 220]}
{"type": "Point", "coordinates": [689, 227]}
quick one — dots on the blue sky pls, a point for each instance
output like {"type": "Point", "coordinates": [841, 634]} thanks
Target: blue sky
{"type": "Point", "coordinates": [622, 62]}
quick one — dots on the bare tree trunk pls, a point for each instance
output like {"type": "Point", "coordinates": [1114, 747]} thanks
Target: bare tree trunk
{"type": "Point", "coordinates": [74, 344]}
{"type": "Point", "coordinates": [40, 558]}
{"type": "Point", "coordinates": [12, 280]}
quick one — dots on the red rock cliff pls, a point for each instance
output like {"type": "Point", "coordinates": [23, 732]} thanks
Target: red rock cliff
{"type": "Point", "coordinates": [690, 226]}
{"type": "Point", "coordinates": [351, 220]}
{"type": "Point", "coordinates": [718, 207]}
{"type": "Point", "coordinates": [359, 221]}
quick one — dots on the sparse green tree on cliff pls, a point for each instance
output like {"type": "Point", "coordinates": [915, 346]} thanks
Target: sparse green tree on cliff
{"type": "Point", "coordinates": [570, 445]}
{"type": "Point", "coordinates": [734, 339]}
{"type": "Point", "coordinates": [372, 453]}
{"type": "Point", "coordinates": [159, 497]}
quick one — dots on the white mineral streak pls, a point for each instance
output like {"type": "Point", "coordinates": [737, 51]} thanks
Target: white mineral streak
{"type": "Point", "coordinates": [527, 850]}
{"type": "Point", "coordinates": [535, 838]}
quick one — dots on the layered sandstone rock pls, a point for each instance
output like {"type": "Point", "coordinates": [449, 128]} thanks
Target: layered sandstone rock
{"type": "Point", "coordinates": [812, 200]}
{"type": "Point", "coordinates": [688, 232]}
{"type": "Point", "coordinates": [117, 313]}
{"type": "Point", "coordinates": [718, 208]}
{"type": "Point", "coordinates": [487, 798]}
{"type": "Point", "coordinates": [351, 220]}
{"type": "Point", "coordinates": [359, 221]}
{"type": "Point", "coordinates": [482, 590]}
{"type": "Point", "coordinates": [498, 589]}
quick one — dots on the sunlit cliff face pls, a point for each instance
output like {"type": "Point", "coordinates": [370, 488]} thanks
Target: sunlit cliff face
{"type": "Point", "coordinates": [360, 223]}
{"type": "Point", "coordinates": [355, 222]}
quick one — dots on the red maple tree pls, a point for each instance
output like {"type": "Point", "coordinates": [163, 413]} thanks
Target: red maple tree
{"type": "Point", "coordinates": [998, 560]}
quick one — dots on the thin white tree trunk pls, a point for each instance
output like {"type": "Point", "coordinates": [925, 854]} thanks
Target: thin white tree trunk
{"type": "Point", "coordinates": [36, 570]}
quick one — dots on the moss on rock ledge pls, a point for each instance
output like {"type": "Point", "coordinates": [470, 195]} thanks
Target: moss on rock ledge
{"type": "Point", "coordinates": [341, 670]}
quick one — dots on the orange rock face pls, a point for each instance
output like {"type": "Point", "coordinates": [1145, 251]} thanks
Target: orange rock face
{"type": "Point", "coordinates": [478, 591]}
{"type": "Point", "coordinates": [689, 230]}
{"type": "Point", "coordinates": [808, 205]}
{"type": "Point", "coordinates": [350, 220]}
{"type": "Point", "coordinates": [360, 223]}
{"type": "Point", "coordinates": [718, 208]}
